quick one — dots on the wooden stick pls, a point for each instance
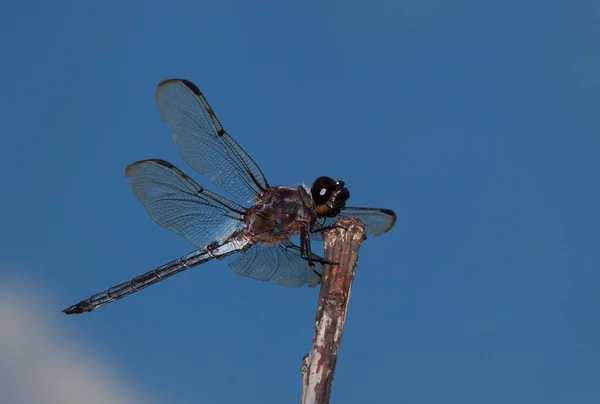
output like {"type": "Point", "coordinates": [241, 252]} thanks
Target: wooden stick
{"type": "Point", "coordinates": [341, 247]}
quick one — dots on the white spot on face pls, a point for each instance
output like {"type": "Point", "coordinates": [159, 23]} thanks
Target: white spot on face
{"type": "Point", "coordinates": [323, 192]}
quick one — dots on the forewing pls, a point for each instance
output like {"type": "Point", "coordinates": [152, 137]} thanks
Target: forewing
{"type": "Point", "coordinates": [279, 263]}
{"type": "Point", "coordinates": [376, 221]}
{"type": "Point", "coordinates": [205, 145]}
{"type": "Point", "coordinates": [178, 203]}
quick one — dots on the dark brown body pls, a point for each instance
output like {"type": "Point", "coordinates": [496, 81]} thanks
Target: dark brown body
{"type": "Point", "coordinates": [279, 215]}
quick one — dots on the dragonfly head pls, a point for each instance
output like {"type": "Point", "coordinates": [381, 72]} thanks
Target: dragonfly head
{"type": "Point", "coordinates": [329, 196]}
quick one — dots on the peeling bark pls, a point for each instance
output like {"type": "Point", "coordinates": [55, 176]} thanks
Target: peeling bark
{"type": "Point", "coordinates": [318, 368]}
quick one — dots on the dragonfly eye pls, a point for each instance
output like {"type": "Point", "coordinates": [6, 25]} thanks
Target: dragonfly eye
{"type": "Point", "coordinates": [322, 189]}
{"type": "Point", "coordinates": [329, 196]}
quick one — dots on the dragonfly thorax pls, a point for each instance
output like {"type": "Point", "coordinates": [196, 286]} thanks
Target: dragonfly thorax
{"type": "Point", "coordinates": [279, 215]}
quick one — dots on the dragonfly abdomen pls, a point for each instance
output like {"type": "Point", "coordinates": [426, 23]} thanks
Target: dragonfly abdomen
{"type": "Point", "coordinates": [150, 278]}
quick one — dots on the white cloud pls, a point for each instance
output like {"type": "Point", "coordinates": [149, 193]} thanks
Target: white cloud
{"type": "Point", "coordinates": [39, 365]}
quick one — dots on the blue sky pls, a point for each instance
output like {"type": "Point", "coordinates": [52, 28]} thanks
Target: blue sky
{"type": "Point", "coordinates": [478, 124]}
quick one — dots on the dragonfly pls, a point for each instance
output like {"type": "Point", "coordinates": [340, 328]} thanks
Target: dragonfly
{"type": "Point", "coordinates": [258, 225]}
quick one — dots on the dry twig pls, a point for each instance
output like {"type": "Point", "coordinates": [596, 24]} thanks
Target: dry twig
{"type": "Point", "coordinates": [341, 247]}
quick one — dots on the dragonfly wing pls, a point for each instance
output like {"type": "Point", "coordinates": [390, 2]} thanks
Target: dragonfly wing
{"type": "Point", "coordinates": [279, 263]}
{"type": "Point", "coordinates": [376, 221]}
{"type": "Point", "coordinates": [205, 145]}
{"type": "Point", "coordinates": [178, 203]}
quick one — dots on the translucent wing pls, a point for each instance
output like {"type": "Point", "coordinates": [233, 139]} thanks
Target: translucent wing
{"type": "Point", "coordinates": [376, 221]}
{"type": "Point", "coordinates": [205, 145]}
{"type": "Point", "coordinates": [279, 263]}
{"type": "Point", "coordinates": [178, 203]}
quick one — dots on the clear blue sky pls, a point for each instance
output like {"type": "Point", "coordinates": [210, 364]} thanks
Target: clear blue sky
{"type": "Point", "coordinates": [478, 124]}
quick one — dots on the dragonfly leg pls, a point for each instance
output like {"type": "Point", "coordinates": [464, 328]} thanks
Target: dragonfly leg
{"type": "Point", "coordinates": [306, 253]}
{"type": "Point", "coordinates": [308, 202]}
{"type": "Point", "coordinates": [319, 228]}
